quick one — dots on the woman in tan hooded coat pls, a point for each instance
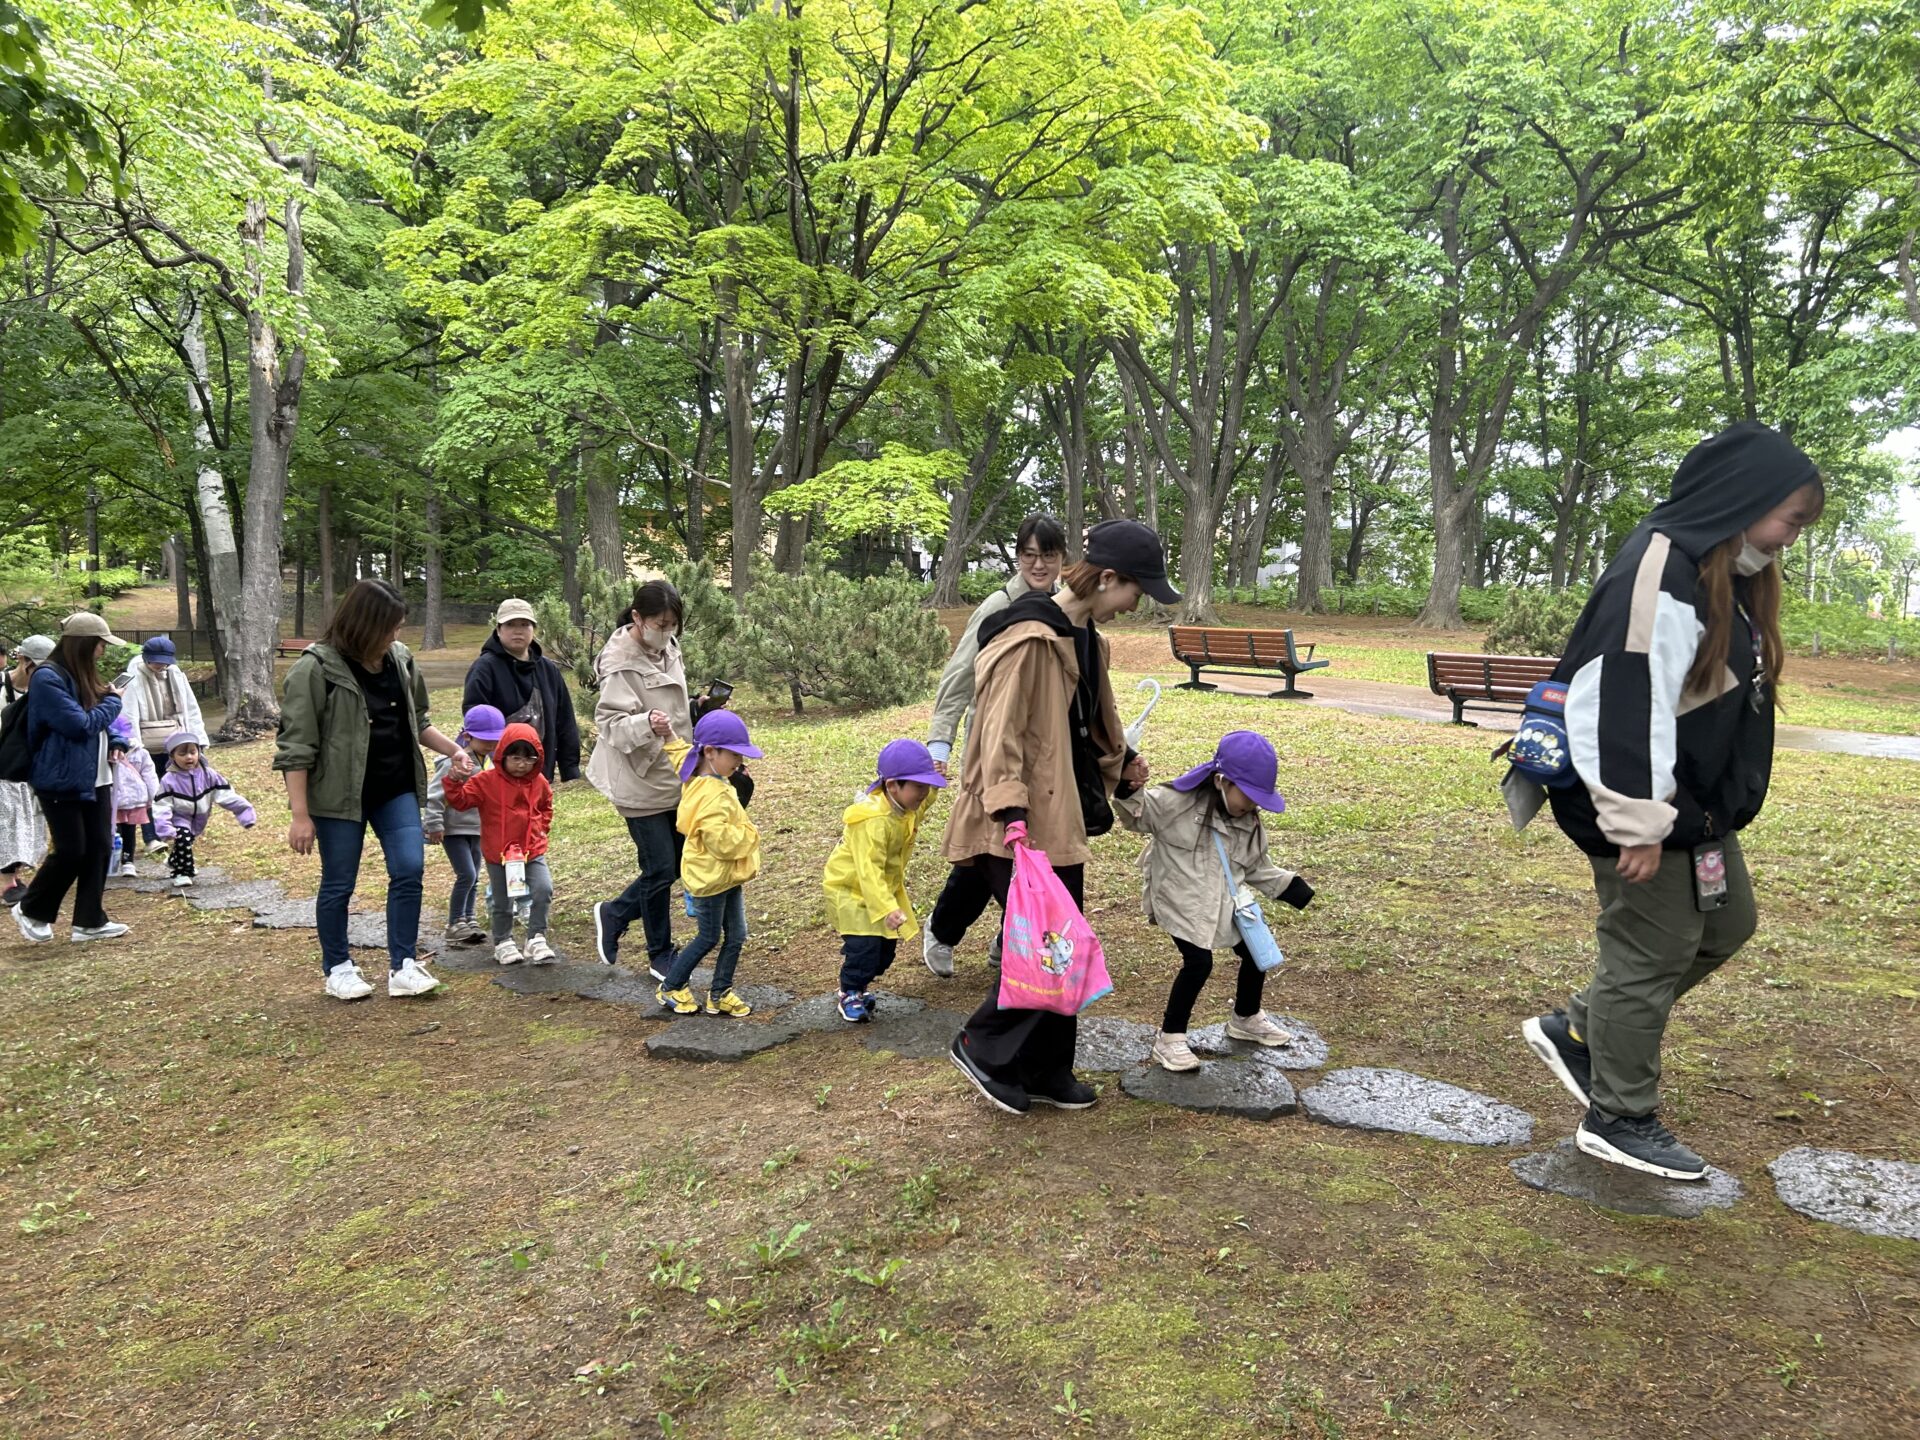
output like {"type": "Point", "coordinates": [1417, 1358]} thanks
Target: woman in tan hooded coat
{"type": "Point", "coordinates": [1045, 753]}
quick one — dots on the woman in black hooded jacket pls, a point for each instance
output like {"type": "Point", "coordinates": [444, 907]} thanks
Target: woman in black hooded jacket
{"type": "Point", "coordinates": [1671, 675]}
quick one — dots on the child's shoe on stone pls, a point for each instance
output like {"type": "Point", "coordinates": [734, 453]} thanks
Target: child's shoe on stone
{"type": "Point", "coordinates": [680, 1002]}
{"type": "Point", "coordinates": [728, 1003]}
{"type": "Point", "coordinates": [1170, 1052]}
{"type": "Point", "coordinates": [508, 953]}
{"type": "Point", "coordinates": [539, 952]}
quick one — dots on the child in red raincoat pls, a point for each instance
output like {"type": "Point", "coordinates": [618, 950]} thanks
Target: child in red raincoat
{"type": "Point", "coordinates": [516, 812]}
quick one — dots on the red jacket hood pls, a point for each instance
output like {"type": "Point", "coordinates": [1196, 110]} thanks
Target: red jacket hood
{"type": "Point", "coordinates": [521, 732]}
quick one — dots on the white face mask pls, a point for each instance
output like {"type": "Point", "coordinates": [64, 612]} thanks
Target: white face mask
{"type": "Point", "coordinates": [1751, 560]}
{"type": "Point", "coordinates": [655, 637]}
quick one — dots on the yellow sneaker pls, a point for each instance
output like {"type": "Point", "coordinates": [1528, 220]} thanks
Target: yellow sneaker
{"type": "Point", "coordinates": [680, 1002]}
{"type": "Point", "coordinates": [727, 1004]}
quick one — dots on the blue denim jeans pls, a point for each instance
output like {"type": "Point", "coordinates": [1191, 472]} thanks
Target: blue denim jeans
{"type": "Point", "coordinates": [501, 905]}
{"type": "Point", "coordinates": [396, 824]}
{"type": "Point", "coordinates": [463, 853]}
{"type": "Point", "coordinates": [722, 915]}
{"type": "Point", "coordinates": [657, 843]}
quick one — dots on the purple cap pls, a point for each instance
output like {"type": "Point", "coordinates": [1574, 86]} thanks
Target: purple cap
{"type": "Point", "coordinates": [484, 722]}
{"type": "Point", "coordinates": [122, 730]}
{"type": "Point", "coordinates": [1249, 762]}
{"type": "Point", "coordinates": [906, 760]}
{"type": "Point", "coordinates": [723, 730]}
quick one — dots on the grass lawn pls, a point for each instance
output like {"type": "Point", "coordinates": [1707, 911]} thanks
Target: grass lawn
{"type": "Point", "coordinates": [235, 1208]}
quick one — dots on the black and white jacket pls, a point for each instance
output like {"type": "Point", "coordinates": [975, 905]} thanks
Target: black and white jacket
{"type": "Point", "coordinates": [1661, 764]}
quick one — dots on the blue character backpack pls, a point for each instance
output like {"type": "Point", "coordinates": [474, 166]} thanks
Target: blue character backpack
{"type": "Point", "coordinates": [1539, 749]}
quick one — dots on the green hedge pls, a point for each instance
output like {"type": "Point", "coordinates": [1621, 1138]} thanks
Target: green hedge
{"type": "Point", "coordinates": [1844, 630]}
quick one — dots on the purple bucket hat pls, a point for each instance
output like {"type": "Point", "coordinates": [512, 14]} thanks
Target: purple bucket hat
{"type": "Point", "coordinates": [907, 760]}
{"type": "Point", "coordinates": [723, 730]}
{"type": "Point", "coordinates": [122, 730]}
{"type": "Point", "coordinates": [483, 722]}
{"type": "Point", "coordinates": [1249, 762]}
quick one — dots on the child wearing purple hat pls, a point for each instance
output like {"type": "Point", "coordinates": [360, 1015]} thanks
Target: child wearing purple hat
{"type": "Point", "coordinates": [866, 878]}
{"type": "Point", "coordinates": [1211, 812]}
{"type": "Point", "coordinates": [458, 831]}
{"type": "Point", "coordinates": [136, 785]}
{"type": "Point", "coordinates": [721, 853]}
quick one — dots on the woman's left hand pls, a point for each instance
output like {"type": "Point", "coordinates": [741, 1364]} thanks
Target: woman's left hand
{"type": "Point", "coordinates": [1136, 772]}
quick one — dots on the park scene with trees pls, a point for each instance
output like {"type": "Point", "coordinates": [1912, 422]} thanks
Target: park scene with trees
{"type": "Point", "coordinates": [1393, 322]}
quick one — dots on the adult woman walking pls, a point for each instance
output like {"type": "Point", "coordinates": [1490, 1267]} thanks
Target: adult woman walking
{"type": "Point", "coordinates": [69, 708]}
{"type": "Point", "coordinates": [643, 704]}
{"type": "Point", "coordinates": [1045, 752]}
{"type": "Point", "coordinates": [1672, 676]}
{"type": "Point", "coordinates": [23, 830]}
{"type": "Point", "coordinates": [352, 722]}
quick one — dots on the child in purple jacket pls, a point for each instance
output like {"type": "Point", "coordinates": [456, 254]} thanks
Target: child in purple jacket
{"type": "Point", "coordinates": [188, 792]}
{"type": "Point", "coordinates": [135, 786]}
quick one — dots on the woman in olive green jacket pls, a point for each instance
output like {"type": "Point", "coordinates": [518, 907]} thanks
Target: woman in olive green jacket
{"type": "Point", "coordinates": [352, 722]}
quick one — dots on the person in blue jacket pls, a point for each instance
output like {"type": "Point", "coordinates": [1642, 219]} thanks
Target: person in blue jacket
{"type": "Point", "coordinates": [69, 709]}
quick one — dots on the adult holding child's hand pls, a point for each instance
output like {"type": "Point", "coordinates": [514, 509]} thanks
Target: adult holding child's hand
{"type": "Point", "coordinates": [643, 706]}
{"type": "Point", "coordinates": [352, 721]}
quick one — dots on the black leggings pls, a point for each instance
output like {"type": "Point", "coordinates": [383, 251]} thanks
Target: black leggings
{"type": "Point", "coordinates": [1196, 966]}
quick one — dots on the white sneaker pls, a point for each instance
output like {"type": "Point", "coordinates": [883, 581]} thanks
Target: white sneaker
{"type": "Point", "coordinates": [508, 953]}
{"type": "Point", "coordinates": [410, 979]}
{"type": "Point", "coordinates": [1170, 1052]}
{"type": "Point", "coordinates": [112, 930]}
{"type": "Point", "coordinates": [939, 957]}
{"type": "Point", "coordinates": [129, 869]}
{"type": "Point", "coordinates": [181, 882]}
{"type": "Point", "coordinates": [345, 982]}
{"type": "Point", "coordinates": [158, 850]}
{"type": "Point", "coordinates": [1259, 1028]}
{"type": "Point", "coordinates": [539, 952]}
{"type": "Point", "coordinates": [36, 932]}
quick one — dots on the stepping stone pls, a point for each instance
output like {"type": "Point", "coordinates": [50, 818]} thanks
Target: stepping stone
{"type": "Point", "coordinates": [154, 880]}
{"type": "Point", "coordinates": [1563, 1170]}
{"type": "Point", "coordinates": [1875, 1197]}
{"type": "Point", "coordinates": [1367, 1098]}
{"type": "Point", "coordinates": [1308, 1051]}
{"type": "Point", "coordinates": [927, 1035]}
{"type": "Point", "coordinates": [1219, 1087]}
{"type": "Point", "coordinates": [1107, 1044]}
{"type": "Point", "coordinates": [234, 895]}
{"type": "Point", "coordinates": [714, 1038]}
{"type": "Point", "coordinates": [612, 984]}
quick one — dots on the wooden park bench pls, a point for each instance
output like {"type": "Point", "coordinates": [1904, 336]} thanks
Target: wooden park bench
{"type": "Point", "coordinates": [1486, 682]}
{"type": "Point", "coordinates": [291, 649]}
{"type": "Point", "coordinates": [1243, 652]}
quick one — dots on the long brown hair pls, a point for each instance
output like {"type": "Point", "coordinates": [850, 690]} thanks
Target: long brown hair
{"type": "Point", "coordinates": [1763, 605]}
{"type": "Point", "coordinates": [365, 621]}
{"type": "Point", "coordinates": [78, 655]}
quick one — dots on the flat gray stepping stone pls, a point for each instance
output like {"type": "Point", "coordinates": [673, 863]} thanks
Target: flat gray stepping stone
{"type": "Point", "coordinates": [1218, 1087]}
{"type": "Point", "coordinates": [365, 930]}
{"type": "Point", "coordinates": [1107, 1044]}
{"type": "Point", "coordinates": [234, 895]}
{"type": "Point", "coordinates": [927, 1035]}
{"type": "Point", "coordinates": [154, 880]}
{"type": "Point", "coordinates": [713, 1038]}
{"type": "Point", "coordinates": [1368, 1098]}
{"type": "Point", "coordinates": [474, 959]}
{"type": "Point", "coordinates": [1308, 1050]}
{"type": "Point", "coordinates": [1875, 1197]}
{"type": "Point", "coordinates": [610, 984]}
{"type": "Point", "coordinates": [1563, 1170]}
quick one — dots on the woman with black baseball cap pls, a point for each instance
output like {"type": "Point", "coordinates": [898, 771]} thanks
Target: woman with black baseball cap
{"type": "Point", "coordinates": [1045, 754]}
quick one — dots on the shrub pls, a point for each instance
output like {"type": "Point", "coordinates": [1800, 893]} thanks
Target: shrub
{"type": "Point", "coordinates": [1844, 629]}
{"type": "Point", "coordinates": [818, 635]}
{"type": "Point", "coordinates": [1534, 622]}
{"type": "Point", "coordinates": [977, 585]}
{"type": "Point", "coordinates": [708, 640]}
{"type": "Point", "coordinates": [603, 605]}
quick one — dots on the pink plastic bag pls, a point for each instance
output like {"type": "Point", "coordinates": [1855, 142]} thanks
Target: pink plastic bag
{"type": "Point", "coordinates": [1050, 958]}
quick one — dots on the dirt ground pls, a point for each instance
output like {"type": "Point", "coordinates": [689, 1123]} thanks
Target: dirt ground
{"type": "Point", "coordinates": [234, 1208]}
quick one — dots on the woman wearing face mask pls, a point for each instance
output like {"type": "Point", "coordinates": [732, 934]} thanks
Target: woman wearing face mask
{"type": "Point", "coordinates": [643, 706]}
{"type": "Point", "coordinates": [1045, 753]}
{"type": "Point", "coordinates": [1672, 676]}
{"type": "Point", "coordinates": [1040, 550]}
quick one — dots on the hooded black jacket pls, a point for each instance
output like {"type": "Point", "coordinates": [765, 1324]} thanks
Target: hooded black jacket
{"type": "Point", "coordinates": [1661, 766]}
{"type": "Point", "coordinates": [496, 678]}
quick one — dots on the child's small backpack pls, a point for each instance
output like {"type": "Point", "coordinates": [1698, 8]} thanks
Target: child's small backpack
{"type": "Point", "coordinates": [1540, 749]}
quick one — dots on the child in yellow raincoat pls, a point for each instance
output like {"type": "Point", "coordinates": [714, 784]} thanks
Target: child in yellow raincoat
{"type": "Point", "coordinates": [866, 879]}
{"type": "Point", "coordinates": [722, 853]}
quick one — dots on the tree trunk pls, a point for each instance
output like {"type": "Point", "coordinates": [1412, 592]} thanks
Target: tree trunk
{"type": "Point", "coordinates": [566, 510]}
{"type": "Point", "coordinates": [300, 587]}
{"type": "Point", "coordinates": [743, 475]}
{"type": "Point", "coordinates": [182, 595]}
{"type": "Point", "coordinates": [220, 572]}
{"type": "Point", "coordinates": [1199, 529]}
{"type": "Point", "coordinates": [435, 636]}
{"type": "Point", "coordinates": [276, 373]}
{"type": "Point", "coordinates": [93, 540]}
{"type": "Point", "coordinates": [323, 537]}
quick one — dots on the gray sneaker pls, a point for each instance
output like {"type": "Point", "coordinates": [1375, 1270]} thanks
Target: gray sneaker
{"type": "Point", "coordinates": [939, 957]}
{"type": "Point", "coordinates": [1638, 1142]}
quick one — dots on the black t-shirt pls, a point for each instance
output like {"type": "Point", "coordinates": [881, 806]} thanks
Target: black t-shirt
{"type": "Point", "coordinates": [389, 761]}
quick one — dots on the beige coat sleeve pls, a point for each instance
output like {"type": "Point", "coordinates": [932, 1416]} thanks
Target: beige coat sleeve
{"type": "Point", "coordinates": [1014, 672]}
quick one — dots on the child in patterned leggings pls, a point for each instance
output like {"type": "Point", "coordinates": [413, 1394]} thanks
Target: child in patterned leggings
{"type": "Point", "coordinates": [188, 792]}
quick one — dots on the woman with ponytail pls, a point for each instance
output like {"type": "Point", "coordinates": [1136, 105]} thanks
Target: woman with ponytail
{"type": "Point", "coordinates": [1672, 676]}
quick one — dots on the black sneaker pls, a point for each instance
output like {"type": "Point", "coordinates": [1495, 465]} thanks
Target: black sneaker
{"type": "Point", "coordinates": [13, 895]}
{"type": "Point", "coordinates": [1639, 1142]}
{"type": "Point", "coordinates": [1065, 1093]}
{"type": "Point", "coordinates": [606, 941]}
{"type": "Point", "coordinates": [1010, 1098]}
{"type": "Point", "coordinates": [1551, 1038]}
